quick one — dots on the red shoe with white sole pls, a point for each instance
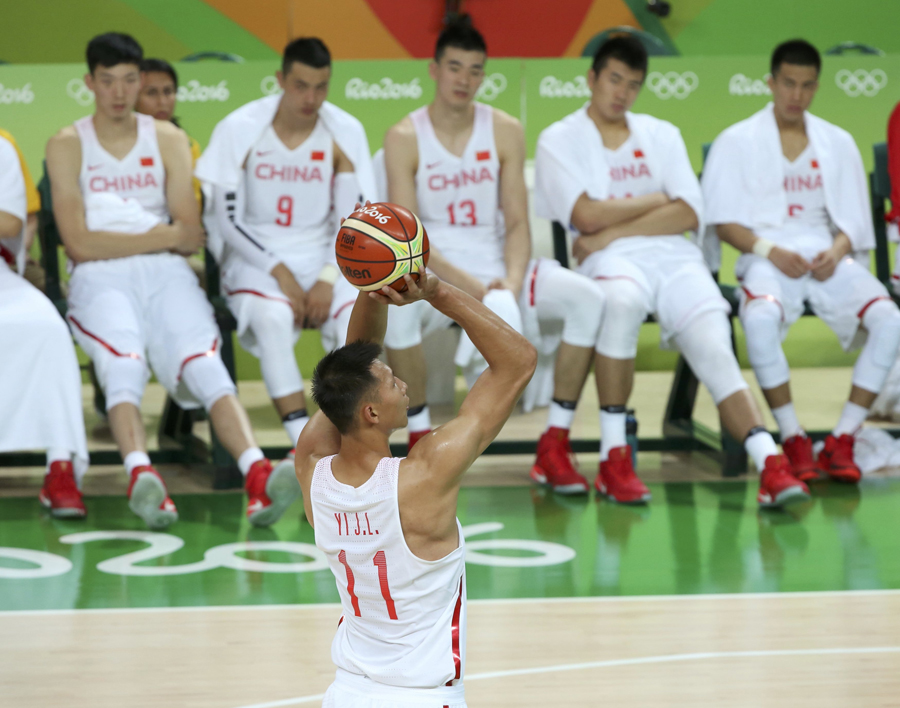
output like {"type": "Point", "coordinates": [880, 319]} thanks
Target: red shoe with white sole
{"type": "Point", "coordinates": [270, 491]}
{"type": "Point", "coordinates": [555, 466]}
{"type": "Point", "coordinates": [837, 460]}
{"type": "Point", "coordinates": [617, 479]}
{"type": "Point", "coordinates": [799, 452]}
{"type": "Point", "coordinates": [778, 485]}
{"type": "Point", "coordinates": [60, 493]}
{"type": "Point", "coordinates": [149, 499]}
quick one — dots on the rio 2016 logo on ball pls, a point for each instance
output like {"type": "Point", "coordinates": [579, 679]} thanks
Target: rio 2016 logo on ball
{"type": "Point", "coordinates": [380, 243]}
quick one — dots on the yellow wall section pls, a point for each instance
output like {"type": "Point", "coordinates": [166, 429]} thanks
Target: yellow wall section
{"type": "Point", "coordinates": [602, 15]}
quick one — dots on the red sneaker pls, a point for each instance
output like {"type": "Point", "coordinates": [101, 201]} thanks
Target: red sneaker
{"type": "Point", "coordinates": [618, 481]}
{"type": "Point", "coordinates": [414, 438]}
{"type": "Point", "coordinates": [148, 498]}
{"type": "Point", "coordinates": [60, 493]}
{"type": "Point", "coordinates": [555, 464]}
{"type": "Point", "coordinates": [800, 454]}
{"type": "Point", "coordinates": [836, 459]}
{"type": "Point", "coordinates": [270, 491]}
{"type": "Point", "coordinates": [778, 485]}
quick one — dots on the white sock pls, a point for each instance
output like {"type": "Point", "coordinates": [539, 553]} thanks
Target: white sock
{"type": "Point", "coordinates": [248, 458]}
{"type": "Point", "coordinates": [294, 427]}
{"type": "Point", "coordinates": [788, 424]}
{"type": "Point", "coordinates": [136, 459]}
{"type": "Point", "coordinates": [760, 446]}
{"type": "Point", "coordinates": [852, 419]}
{"type": "Point", "coordinates": [612, 430]}
{"type": "Point", "coordinates": [560, 416]}
{"type": "Point", "coordinates": [58, 454]}
{"type": "Point", "coordinates": [419, 422]}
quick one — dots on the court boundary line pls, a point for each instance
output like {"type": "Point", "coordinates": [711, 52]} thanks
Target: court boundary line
{"type": "Point", "coordinates": [607, 663]}
{"type": "Point", "coordinates": [490, 601]}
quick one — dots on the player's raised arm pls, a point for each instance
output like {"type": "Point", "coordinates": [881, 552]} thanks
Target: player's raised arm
{"type": "Point", "coordinates": [510, 140]}
{"type": "Point", "coordinates": [64, 167]}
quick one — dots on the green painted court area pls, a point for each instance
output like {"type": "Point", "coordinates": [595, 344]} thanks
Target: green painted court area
{"type": "Point", "coordinates": [522, 543]}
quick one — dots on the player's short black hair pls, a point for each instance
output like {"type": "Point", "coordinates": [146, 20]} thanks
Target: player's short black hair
{"type": "Point", "coordinates": [306, 50]}
{"type": "Point", "coordinates": [160, 66]}
{"type": "Point", "coordinates": [459, 34]}
{"type": "Point", "coordinates": [626, 48]}
{"type": "Point", "coordinates": [798, 52]}
{"type": "Point", "coordinates": [112, 49]}
{"type": "Point", "coordinates": [341, 381]}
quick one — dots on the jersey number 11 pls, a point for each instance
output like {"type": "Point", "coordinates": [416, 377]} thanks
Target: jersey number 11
{"type": "Point", "coordinates": [380, 562]}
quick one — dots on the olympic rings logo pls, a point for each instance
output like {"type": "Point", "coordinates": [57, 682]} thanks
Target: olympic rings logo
{"type": "Point", "coordinates": [491, 87]}
{"type": "Point", "coordinates": [861, 82]}
{"type": "Point", "coordinates": [269, 86]}
{"type": "Point", "coordinates": [80, 93]}
{"type": "Point", "coordinates": [670, 84]}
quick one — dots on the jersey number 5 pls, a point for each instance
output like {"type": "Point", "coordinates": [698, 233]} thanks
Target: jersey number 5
{"type": "Point", "coordinates": [467, 213]}
{"type": "Point", "coordinates": [286, 209]}
{"type": "Point", "coordinates": [380, 562]}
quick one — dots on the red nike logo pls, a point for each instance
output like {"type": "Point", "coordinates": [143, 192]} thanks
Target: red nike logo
{"type": "Point", "coordinates": [94, 167]}
{"type": "Point", "coordinates": [432, 165]}
{"type": "Point", "coordinates": [260, 153]}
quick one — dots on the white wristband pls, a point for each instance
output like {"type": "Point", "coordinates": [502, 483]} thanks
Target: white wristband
{"type": "Point", "coordinates": [763, 247]}
{"type": "Point", "coordinates": [328, 274]}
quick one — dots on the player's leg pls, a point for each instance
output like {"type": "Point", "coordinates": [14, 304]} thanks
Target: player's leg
{"type": "Point", "coordinates": [403, 344]}
{"type": "Point", "coordinates": [184, 352]}
{"type": "Point", "coordinates": [562, 296]}
{"type": "Point", "coordinates": [852, 299]}
{"type": "Point", "coordinates": [627, 305]}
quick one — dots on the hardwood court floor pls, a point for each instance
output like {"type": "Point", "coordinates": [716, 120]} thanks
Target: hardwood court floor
{"type": "Point", "coordinates": [820, 650]}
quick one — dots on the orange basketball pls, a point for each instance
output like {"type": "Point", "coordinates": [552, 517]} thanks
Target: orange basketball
{"type": "Point", "coordinates": [380, 243]}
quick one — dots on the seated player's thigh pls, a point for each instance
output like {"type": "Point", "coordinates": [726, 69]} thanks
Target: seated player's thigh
{"type": "Point", "coordinates": [688, 292]}
{"type": "Point", "coordinates": [565, 302]}
{"type": "Point", "coordinates": [761, 279]}
{"type": "Point", "coordinates": [334, 329]}
{"type": "Point", "coordinates": [408, 325]}
{"type": "Point", "coordinates": [106, 320]}
{"type": "Point", "coordinates": [841, 301]}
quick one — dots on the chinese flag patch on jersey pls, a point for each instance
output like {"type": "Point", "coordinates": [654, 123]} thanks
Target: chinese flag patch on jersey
{"type": "Point", "coordinates": [815, 164]}
{"type": "Point", "coordinates": [638, 153]}
{"type": "Point", "coordinates": [146, 162]}
{"type": "Point", "coordinates": [483, 155]}
{"type": "Point", "coordinates": [318, 155]}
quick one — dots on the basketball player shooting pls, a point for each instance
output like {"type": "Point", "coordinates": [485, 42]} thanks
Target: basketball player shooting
{"type": "Point", "coordinates": [388, 525]}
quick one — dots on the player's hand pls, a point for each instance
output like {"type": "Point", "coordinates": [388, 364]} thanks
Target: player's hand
{"type": "Point", "coordinates": [586, 245]}
{"type": "Point", "coordinates": [189, 238]}
{"type": "Point", "coordinates": [823, 264]}
{"type": "Point", "coordinates": [292, 291]}
{"type": "Point", "coordinates": [318, 303]}
{"type": "Point", "coordinates": [793, 265]}
{"type": "Point", "coordinates": [425, 289]}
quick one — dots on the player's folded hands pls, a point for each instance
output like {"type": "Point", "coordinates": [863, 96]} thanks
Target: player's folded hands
{"type": "Point", "coordinates": [791, 264]}
{"type": "Point", "coordinates": [189, 238]}
{"type": "Point", "coordinates": [823, 264]}
{"type": "Point", "coordinates": [318, 303]}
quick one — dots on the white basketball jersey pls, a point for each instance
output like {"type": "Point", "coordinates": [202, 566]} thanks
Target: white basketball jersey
{"type": "Point", "coordinates": [459, 197]}
{"type": "Point", "coordinates": [288, 197]}
{"type": "Point", "coordinates": [404, 621]}
{"type": "Point", "coordinates": [139, 175]}
{"type": "Point", "coordinates": [807, 227]}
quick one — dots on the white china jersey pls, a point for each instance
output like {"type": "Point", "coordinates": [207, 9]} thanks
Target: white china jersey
{"type": "Point", "coordinates": [630, 176]}
{"type": "Point", "coordinates": [807, 228]}
{"type": "Point", "coordinates": [139, 175]}
{"type": "Point", "coordinates": [404, 621]}
{"type": "Point", "coordinates": [459, 197]}
{"type": "Point", "coordinates": [288, 193]}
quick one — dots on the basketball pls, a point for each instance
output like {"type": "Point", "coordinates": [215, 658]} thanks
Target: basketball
{"type": "Point", "coordinates": [380, 243]}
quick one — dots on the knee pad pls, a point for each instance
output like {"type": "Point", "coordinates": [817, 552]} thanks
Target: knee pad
{"type": "Point", "coordinates": [706, 345]}
{"type": "Point", "coordinates": [207, 379]}
{"type": "Point", "coordinates": [761, 321]}
{"type": "Point", "coordinates": [123, 380]}
{"type": "Point", "coordinates": [624, 313]}
{"type": "Point", "coordinates": [882, 320]}
{"type": "Point", "coordinates": [272, 324]}
{"type": "Point", "coordinates": [584, 303]}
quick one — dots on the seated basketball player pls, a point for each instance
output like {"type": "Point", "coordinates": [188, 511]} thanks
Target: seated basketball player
{"type": "Point", "coordinates": [459, 165]}
{"type": "Point", "coordinates": [893, 216]}
{"type": "Point", "coordinates": [39, 375]}
{"type": "Point", "coordinates": [388, 526]}
{"type": "Point", "coordinates": [623, 182]}
{"type": "Point", "coordinates": [119, 179]}
{"type": "Point", "coordinates": [282, 170]}
{"type": "Point", "coordinates": [158, 97]}
{"type": "Point", "coordinates": [788, 190]}
{"type": "Point", "coordinates": [15, 251]}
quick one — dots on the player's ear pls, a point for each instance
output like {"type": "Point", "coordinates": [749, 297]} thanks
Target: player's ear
{"type": "Point", "coordinates": [89, 81]}
{"type": "Point", "coordinates": [280, 78]}
{"type": "Point", "coordinates": [369, 414]}
{"type": "Point", "coordinates": [432, 70]}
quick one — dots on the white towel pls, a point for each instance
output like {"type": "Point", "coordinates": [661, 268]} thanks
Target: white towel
{"type": "Point", "coordinates": [105, 211]}
{"type": "Point", "coordinates": [571, 161]}
{"type": "Point", "coordinates": [753, 195]}
{"type": "Point", "coordinates": [221, 164]}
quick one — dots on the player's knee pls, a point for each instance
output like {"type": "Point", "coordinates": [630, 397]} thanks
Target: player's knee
{"type": "Point", "coordinates": [882, 320]}
{"type": "Point", "coordinates": [706, 344]}
{"type": "Point", "coordinates": [123, 380]}
{"type": "Point", "coordinates": [762, 325]}
{"type": "Point", "coordinates": [624, 300]}
{"type": "Point", "coordinates": [584, 307]}
{"type": "Point", "coordinates": [272, 322]}
{"type": "Point", "coordinates": [207, 379]}
{"type": "Point", "coordinates": [623, 314]}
